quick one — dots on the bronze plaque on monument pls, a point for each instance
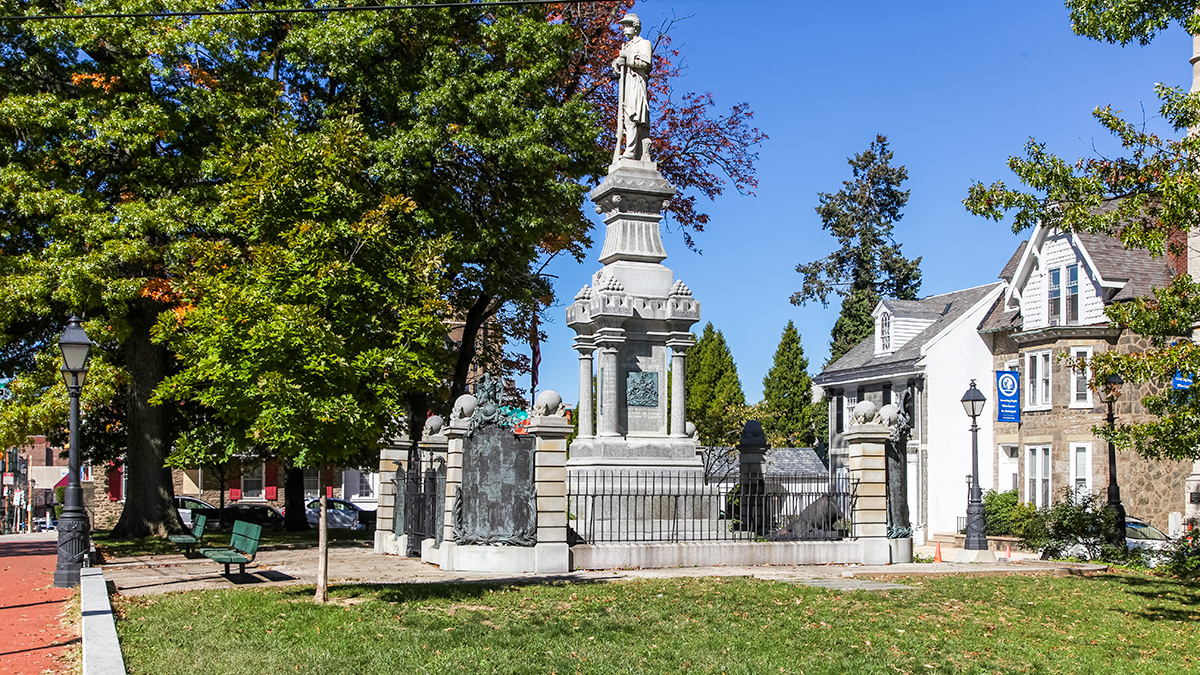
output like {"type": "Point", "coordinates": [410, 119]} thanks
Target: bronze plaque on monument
{"type": "Point", "coordinates": [497, 502]}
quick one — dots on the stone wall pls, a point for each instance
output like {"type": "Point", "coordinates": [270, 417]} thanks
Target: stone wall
{"type": "Point", "coordinates": [1149, 489]}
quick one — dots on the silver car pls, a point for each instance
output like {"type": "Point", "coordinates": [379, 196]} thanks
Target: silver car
{"type": "Point", "coordinates": [342, 514]}
{"type": "Point", "coordinates": [185, 506]}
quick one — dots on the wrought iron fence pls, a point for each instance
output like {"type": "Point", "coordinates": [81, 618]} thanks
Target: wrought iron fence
{"type": "Point", "coordinates": [609, 506]}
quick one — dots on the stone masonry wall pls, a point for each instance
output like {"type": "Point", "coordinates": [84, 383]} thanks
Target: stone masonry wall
{"type": "Point", "coordinates": [1149, 489]}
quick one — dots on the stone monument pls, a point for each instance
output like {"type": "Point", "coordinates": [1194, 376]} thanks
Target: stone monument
{"type": "Point", "coordinates": [634, 319]}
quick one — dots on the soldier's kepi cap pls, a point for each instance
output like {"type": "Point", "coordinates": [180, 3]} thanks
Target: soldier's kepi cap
{"type": "Point", "coordinates": [631, 20]}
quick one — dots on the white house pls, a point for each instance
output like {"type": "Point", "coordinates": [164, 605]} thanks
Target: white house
{"type": "Point", "coordinates": [932, 349]}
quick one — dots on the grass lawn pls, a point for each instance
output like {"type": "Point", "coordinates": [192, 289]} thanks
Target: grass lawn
{"type": "Point", "coordinates": [1117, 623]}
{"type": "Point", "coordinates": [110, 547]}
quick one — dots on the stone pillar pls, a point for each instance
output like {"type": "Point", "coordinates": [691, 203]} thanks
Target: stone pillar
{"type": "Point", "coordinates": [460, 421]}
{"type": "Point", "coordinates": [608, 414]}
{"type": "Point", "coordinates": [434, 446]}
{"type": "Point", "coordinates": [393, 461]}
{"type": "Point", "coordinates": [866, 435]}
{"type": "Point", "coordinates": [550, 429]}
{"type": "Point", "coordinates": [586, 423]}
{"type": "Point", "coordinates": [679, 386]}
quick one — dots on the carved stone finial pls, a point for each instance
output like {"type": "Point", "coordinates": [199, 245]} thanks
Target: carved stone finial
{"type": "Point", "coordinates": [464, 407]}
{"type": "Point", "coordinates": [433, 425]}
{"type": "Point", "coordinates": [549, 404]}
{"type": "Point", "coordinates": [865, 413]}
{"type": "Point", "coordinates": [609, 284]}
{"type": "Point", "coordinates": [680, 290]}
{"type": "Point", "coordinates": [689, 430]}
{"type": "Point", "coordinates": [585, 293]}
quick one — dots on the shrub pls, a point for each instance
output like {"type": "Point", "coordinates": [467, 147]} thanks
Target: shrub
{"type": "Point", "coordinates": [60, 496]}
{"type": "Point", "coordinates": [1183, 558]}
{"type": "Point", "coordinates": [1004, 514]}
{"type": "Point", "coordinates": [1076, 525]}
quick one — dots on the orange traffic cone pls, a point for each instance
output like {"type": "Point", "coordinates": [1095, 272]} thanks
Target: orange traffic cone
{"type": "Point", "coordinates": [1008, 551]}
{"type": "Point", "coordinates": [937, 553]}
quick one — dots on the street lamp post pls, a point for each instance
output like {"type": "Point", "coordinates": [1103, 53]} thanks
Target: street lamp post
{"type": "Point", "coordinates": [973, 402]}
{"type": "Point", "coordinates": [1109, 393]}
{"type": "Point", "coordinates": [73, 527]}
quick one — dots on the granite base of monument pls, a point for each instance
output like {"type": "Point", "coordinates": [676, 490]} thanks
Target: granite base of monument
{"type": "Point", "coordinates": [985, 556]}
{"type": "Point", "coordinates": [902, 550]}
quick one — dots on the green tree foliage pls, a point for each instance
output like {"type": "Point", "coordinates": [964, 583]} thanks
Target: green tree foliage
{"type": "Point", "coordinates": [787, 395]}
{"type": "Point", "coordinates": [1147, 198]}
{"type": "Point", "coordinates": [715, 400]}
{"type": "Point", "coordinates": [118, 137]}
{"type": "Point", "coordinates": [868, 264]}
{"type": "Point", "coordinates": [1124, 21]}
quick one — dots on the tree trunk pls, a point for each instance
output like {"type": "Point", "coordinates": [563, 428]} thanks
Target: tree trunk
{"type": "Point", "coordinates": [296, 518]}
{"type": "Point", "coordinates": [478, 313]}
{"type": "Point", "coordinates": [149, 496]}
{"type": "Point", "coordinates": [322, 594]}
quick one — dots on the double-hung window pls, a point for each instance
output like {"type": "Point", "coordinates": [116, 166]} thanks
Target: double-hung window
{"type": "Point", "coordinates": [1081, 468]}
{"type": "Point", "coordinates": [252, 481]}
{"type": "Point", "coordinates": [1037, 380]}
{"type": "Point", "coordinates": [1081, 394]}
{"type": "Point", "coordinates": [1054, 296]}
{"type": "Point", "coordinates": [1037, 475]}
{"type": "Point", "coordinates": [885, 332]}
{"type": "Point", "coordinates": [1072, 297]}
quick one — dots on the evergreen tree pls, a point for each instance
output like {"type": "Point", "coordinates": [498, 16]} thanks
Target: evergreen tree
{"type": "Point", "coordinates": [787, 394]}
{"type": "Point", "coordinates": [714, 392]}
{"type": "Point", "coordinates": [868, 264]}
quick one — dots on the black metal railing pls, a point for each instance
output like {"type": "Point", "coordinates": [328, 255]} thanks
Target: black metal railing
{"type": "Point", "coordinates": [635, 506]}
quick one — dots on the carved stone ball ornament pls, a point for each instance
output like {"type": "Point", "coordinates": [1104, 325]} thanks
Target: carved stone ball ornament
{"type": "Point", "coordinates": [609, 284]}
{"type": "Point", "coordinates": [549, 404]}
{"type": "Point", "coordinates": [680, 290]}
{"type": "Point", "coordinates": [865, 413]}
{"type": "Point", "coordinates": [433, 425]}
{"type": "Point", "coordinates": [584, 294]}
{"type": "Point", "coordinates": [689, 430]}
{"type": "Point", "coordinates": [464, 407]}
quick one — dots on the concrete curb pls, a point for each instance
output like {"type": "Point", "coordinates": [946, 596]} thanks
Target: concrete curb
{"type": "Point", "coordinates": [101, 649]}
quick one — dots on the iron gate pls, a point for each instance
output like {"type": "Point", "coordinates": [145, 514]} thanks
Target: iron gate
{"type": "Point", "coordinates": [424, 501]}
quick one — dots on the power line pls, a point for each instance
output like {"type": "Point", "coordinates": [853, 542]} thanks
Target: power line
{"type": "Point", "coordinates": [292, 10]}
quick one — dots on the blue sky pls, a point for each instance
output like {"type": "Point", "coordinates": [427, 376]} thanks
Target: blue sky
{"type": "Point", "coordinates": [957, 87]}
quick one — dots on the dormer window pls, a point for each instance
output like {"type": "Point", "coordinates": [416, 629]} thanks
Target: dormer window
{"type": "Point", "coordinates": [885, 332]}
{"type": "Point", "coordinates": [1063, 307]}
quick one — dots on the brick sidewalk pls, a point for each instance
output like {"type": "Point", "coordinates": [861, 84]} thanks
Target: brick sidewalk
{"type": "Point", "coordinates": [32, 638]}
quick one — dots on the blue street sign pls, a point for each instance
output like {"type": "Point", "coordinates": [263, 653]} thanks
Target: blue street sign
{"type": "Point", "coordinates": [1008, 385]}
{"type": "Point", "coordinates": [1181, 381]}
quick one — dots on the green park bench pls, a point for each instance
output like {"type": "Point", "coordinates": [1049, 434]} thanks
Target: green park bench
{"type": "Point", "coordinates": [243, 547]}
{"type": "Point", "coordinates": [190, 541]}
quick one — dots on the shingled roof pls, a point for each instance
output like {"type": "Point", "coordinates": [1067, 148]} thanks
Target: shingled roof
{"type": "Point", "coordinates": [794, 462]}
{"type": "Point", "coordinates": [947, 308]}
{"type": "Point", "coordinates": [1136, 267]}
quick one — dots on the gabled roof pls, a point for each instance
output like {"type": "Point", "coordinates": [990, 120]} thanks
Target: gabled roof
{"type": "Point", "coordinates": [794, 462]}
{"type": "Point", "coordinates": [1125, 273]}
{"type": "Point", "coordinates": [946, 310]}
{"type": "Point", "coordinates": [912, 309]}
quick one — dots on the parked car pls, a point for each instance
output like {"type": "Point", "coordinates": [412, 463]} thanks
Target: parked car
{"type": "Point", "coordinates": [185, 505]}
{"type": "Point", "coordinates": [259, 514]}
{"type": "Point", "coordinates": [1140, 534]}
{"type": "Point", "coordinates": [342, 514]}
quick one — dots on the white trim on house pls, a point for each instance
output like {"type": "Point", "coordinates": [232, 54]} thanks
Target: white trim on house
{"type": "Point", "coordinates": [1081, 476]}
{"type": "Point", "coordinates": [1075, 402]}
{"type": "Point", "coordinates": [1039, 379]}
{"type": "Point", "coordinates": [1038, 488]}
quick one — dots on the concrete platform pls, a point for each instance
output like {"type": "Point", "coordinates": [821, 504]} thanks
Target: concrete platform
{"type": "Point", "coordinates": [168, 573]}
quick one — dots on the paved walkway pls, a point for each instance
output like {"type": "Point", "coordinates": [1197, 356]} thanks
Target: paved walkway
{"type": "Point", "coordinates": [32, 638]}
{"type": "Point", "coordinates": [166, 573]}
